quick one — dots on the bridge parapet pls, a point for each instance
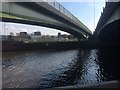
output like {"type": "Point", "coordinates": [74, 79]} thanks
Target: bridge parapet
{"type": "Point", "coordinates": [58, 9]}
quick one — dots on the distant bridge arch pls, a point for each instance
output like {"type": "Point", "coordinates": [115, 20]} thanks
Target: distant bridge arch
{"type": "Point", "coordinates": [110, 32]}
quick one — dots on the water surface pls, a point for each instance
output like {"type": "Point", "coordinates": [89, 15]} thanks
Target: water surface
{"type": "Point", "coordinates": [43, 69]}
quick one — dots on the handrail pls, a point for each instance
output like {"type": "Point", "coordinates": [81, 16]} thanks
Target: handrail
{"type": "Point", "coordinates": [63, 10]}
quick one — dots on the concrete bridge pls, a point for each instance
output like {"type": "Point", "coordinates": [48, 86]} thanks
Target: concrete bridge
{"type": "Point", "coordinates": [108, 27]}
{"type": "Point", "coordinates": [107, 35]}
{"type": "Point", "coordinates": [48, 14]}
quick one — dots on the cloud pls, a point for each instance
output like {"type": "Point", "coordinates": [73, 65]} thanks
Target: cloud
{"type": "Point", "coordinates": [17, 28]}
{"type": "Point", "coordinates": [11, 28]}
{"type": "Point", "coordinates": [23, 30]}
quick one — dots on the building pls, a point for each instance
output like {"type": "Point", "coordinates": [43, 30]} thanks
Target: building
{"type": "Point", "coordinates": [37, 33]}
{"type": "Point", "coordinates": [22, 36]}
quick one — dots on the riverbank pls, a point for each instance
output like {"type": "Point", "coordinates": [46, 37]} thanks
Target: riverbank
{"type": "Point", "coordinates": [18, 46]}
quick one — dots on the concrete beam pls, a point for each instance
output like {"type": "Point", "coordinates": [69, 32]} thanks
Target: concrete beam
{"type": "Point", "coordinates": [28, 12]}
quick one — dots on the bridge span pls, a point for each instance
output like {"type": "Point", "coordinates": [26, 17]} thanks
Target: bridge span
{"type": "Point", "coordinates": [48, 14]}
{"type": "Point", "coordinates": [108, 27]}
{"type": "Point", "coordinates": [107, 35]}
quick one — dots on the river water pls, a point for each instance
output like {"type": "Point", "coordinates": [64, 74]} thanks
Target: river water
{"type": "Point", "coordinates": [44, 69]}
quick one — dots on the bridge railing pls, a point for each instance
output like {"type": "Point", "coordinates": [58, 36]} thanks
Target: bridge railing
{"type": "Point", "coordinates": [60, 8]}
{"type": "Point", "coordinates": [63, 10]}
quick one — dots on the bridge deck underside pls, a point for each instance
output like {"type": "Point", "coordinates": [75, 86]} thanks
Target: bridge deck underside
{"type": "Point", "coordinates": [24, 13]}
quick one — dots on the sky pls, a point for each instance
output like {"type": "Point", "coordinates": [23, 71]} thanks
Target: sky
{"type": "Point", "coordinates": [88, 12]}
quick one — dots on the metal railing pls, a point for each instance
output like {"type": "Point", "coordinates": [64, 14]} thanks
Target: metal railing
{"type": "Point", "coordinates": [63, 10]}
{"type": "Point", "coordinates": [60, 8]}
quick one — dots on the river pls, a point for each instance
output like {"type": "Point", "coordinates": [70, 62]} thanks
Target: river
{"type": "Point", "coordinates": [45, 69]}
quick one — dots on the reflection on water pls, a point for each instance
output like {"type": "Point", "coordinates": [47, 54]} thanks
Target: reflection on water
{"type": "Point", "coordinates": [43, 69]}
{"type": "Point", "coordinates": [109, 63]}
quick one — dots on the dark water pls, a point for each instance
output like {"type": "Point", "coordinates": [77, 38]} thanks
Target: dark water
{"type": "Point", "coordinates": [43, 69]}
